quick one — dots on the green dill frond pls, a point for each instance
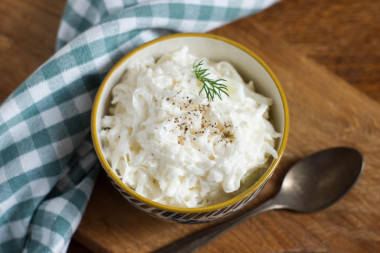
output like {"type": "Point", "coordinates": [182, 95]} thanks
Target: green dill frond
{"type": "Point", "coordinates": [211, 87]}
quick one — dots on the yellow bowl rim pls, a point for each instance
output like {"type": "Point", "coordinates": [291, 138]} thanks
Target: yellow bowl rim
{"type": "Point", "coordinates": [221, 205]}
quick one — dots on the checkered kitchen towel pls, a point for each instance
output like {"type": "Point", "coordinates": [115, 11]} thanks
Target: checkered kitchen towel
{"type": "Point", "coordinates": [47, 162]}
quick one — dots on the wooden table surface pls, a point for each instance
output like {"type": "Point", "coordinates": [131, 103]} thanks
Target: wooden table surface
{"type": "Point", "coordinates": [343, 37]}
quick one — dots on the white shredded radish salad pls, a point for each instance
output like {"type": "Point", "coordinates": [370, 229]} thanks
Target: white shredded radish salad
{"type": "Point", "coordinates": [172, 145]}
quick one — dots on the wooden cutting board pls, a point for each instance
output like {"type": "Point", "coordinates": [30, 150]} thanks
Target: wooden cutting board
{"type": "Point", "coordinates": [324, 112]}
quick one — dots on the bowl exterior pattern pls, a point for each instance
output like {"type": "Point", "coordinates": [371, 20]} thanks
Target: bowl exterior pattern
{"type": "Point", "coordinates": [186, 218]}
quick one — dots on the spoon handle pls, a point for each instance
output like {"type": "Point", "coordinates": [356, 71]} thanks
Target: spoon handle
{"type": "Point", "coordinates": [198, 239]}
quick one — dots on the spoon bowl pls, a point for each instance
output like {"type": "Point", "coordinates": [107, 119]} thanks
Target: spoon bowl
{"type": "Point", "coordinates": [312, 184]}
{"type": "Point", "coordinates": [319, 180]}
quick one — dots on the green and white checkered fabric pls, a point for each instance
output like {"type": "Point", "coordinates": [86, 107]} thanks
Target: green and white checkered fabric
{"type": "Point", "coordinates": [47, 162]}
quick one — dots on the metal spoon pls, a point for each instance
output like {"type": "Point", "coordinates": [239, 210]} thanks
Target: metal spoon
{"type": "Point", "coordinates": [312, 184]}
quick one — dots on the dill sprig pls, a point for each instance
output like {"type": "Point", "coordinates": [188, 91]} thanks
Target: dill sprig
{"type": "Point", "coordinates": [211, 87]}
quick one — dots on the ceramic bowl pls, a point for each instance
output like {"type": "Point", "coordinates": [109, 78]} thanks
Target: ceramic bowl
{"type": "Point", "coordinates": [216, 48]}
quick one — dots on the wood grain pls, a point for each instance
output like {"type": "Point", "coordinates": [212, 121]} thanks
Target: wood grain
{"type": "Point", "coordinates": [341, 35]}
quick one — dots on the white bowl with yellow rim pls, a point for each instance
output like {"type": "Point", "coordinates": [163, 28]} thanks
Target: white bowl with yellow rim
{"type": "Point", "coordinates": [215, 48]}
